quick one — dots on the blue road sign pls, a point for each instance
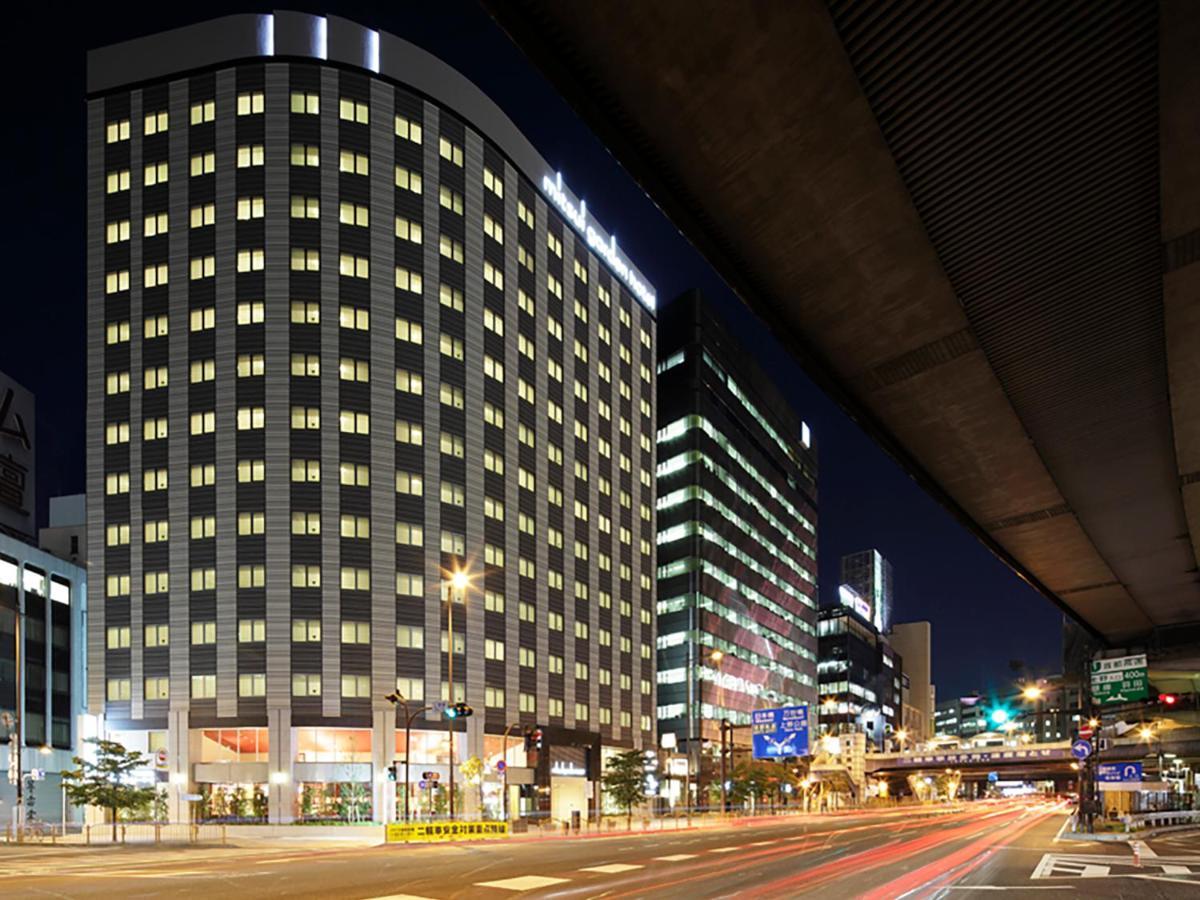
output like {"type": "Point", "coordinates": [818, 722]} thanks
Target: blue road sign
{"type": "Point", "coordinates": [1081, 749]}
{"type": "Point", "coordinates": [1119, 772]}
{"type": "Point", "coordinates": [780, 732]}
{"type": "Point", "coordinates": [993, 776]}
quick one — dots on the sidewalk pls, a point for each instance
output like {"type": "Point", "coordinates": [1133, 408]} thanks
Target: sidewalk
{"type": "Point", "coordinates": [296, 836]}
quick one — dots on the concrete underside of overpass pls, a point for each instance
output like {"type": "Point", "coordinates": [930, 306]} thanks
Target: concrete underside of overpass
{"type": "Point", "coordinates": [977, 226]}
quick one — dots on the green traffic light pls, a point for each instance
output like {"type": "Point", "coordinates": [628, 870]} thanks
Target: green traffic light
{"type": "Point", "coordinates": [999, 716]}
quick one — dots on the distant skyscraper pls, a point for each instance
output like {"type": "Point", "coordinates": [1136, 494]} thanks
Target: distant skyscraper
{"type": "Point", "coordinates": [861, 674]}
{"type": "Point", "coordinates": [913, 642]}
{"type": "Point", "coordinates": [737, 518]}
{"type": "Point", "coordinates": [871, 576]}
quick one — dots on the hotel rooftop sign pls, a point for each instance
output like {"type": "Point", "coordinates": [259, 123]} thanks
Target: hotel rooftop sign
{"type": "Point", "coordinates": [603, 245]}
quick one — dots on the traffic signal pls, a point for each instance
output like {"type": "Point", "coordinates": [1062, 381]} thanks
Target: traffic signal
{"type": "Point", "coordinates": [533, 740]}
{"type": "Point", "coordinates": [1168, 699]}
{"type": "Point", "coordinates": [391, 770]}
{"type": "Point", "coordinates": [459, 711]}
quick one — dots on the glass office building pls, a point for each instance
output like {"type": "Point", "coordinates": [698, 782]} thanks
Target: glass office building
{"type": "Point", "coordinates": [349, 334]}
{"type": "Point", "coordinates": [737, 545]}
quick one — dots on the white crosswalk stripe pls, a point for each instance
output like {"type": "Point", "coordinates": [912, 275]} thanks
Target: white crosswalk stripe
{"type": "Point", "coordinates": [676, 857]}
{"type": "Point", "coordinates": [611, 868]}
{"type": "Point", "coordinates": [723, 849]}
{"type": "Point", "coordinates": [522, 883]}
{"type": "Point", "coordinates": [1102, 865]}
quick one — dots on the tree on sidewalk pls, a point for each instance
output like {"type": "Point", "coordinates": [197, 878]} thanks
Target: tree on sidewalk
{"type": "Point", "coordinates": [625, 781]}
{"type": "Point", "coordinates": [106, 782]}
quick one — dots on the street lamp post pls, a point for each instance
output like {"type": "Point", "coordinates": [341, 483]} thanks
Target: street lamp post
{"type": "Point", "coordinates": [1035, 693]}
{"type": "Point", "coordinates": [458, 587]}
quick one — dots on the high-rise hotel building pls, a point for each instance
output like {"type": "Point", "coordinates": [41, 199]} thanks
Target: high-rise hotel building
{"type": "Point", "coordinates": [349, 334]}
{"type": "Point", "coordinates": [737, 539]}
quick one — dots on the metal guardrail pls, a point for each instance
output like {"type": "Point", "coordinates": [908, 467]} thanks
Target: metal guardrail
{"type": "Point", "coordinates": [42, 833]}
{"type": "Point", "coordinates": [155, 833]}
{"type": "Point", "coordinates": [1143, 821]}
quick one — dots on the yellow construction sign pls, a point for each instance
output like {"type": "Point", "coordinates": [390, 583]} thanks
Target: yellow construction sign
{"type": "Point", "coordinates": [426, 832]}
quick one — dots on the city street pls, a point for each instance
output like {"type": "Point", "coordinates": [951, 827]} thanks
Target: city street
{"type": "Point", "coordinates": [988, 847]}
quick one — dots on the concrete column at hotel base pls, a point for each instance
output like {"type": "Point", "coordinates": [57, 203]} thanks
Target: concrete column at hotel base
{"type": "Point", "coordinates": [179, 764]}
{"type": "Point", "coordinates": [383, 754]}
{"type": "Point", "coordinates": [281, 787]}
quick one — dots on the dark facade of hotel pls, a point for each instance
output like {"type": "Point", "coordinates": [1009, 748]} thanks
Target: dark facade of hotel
{"type": "Point", "coordinates": [737, 545]}
{"type": "Point", "coordinates": [341, 342]}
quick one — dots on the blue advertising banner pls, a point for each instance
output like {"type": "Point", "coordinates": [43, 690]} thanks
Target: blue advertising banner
{"type": "Point", "coordinates": [780, 732]}
{"type": "Point", "coordinates": [1119, 772]}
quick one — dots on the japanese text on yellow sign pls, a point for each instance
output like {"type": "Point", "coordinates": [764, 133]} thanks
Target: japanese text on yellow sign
{"type": "Point", "coordinates": [405, 832]}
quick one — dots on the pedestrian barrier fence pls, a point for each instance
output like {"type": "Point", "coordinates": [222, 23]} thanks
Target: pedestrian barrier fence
{"type": "Point", "coordinates": [155, 833]}
{"type": "Point", "coordinates": [1142, 821]}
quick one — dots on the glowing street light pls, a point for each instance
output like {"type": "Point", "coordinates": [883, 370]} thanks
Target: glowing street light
{"type": "Point", "coordinates": [460, 580]}
{"type": "Point", "coordinates": [1032, 692]}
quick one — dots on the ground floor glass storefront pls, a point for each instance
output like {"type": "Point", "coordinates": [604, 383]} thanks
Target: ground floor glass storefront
{"type": "Point", "coordinates": [316, 775]}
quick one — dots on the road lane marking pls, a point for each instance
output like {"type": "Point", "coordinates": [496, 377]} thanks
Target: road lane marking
{"type": "Point", "coordinates": [400, 897]}
{"type": "Point", "coordinates": [723, 849]}
{"type": "Point", "coordinates": [1169, 869]}
{"type": "Point", "coordinates": [522, 883]}
{"type": "Point", "coordinates": [1058, 837]}
{"type": "Point", "coordinates": [760, 843]}
{"type": "Point", "coordinates": [611, 868]}
{"type": "Point", "coordinates": [1141, 848]}
{"type": "Point", "coordinates": [676, 857]}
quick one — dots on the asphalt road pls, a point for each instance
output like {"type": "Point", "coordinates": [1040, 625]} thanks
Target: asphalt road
{"type": "Point", "coordinates": [1014, 848]}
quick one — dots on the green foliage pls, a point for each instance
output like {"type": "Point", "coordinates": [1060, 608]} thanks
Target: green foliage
{"type": "Point", "coordinates": [160, 808]}
{"type": "Point", "coordinates": [107, 781]}
{"type": "Point", "coordinates": [354, 803]}
{"type": "Point", "coordinates": [259, 803]}
{"type": "Point", "coordinates": [761, 779]}
{"type": "Point", "coordinates": [625, 780]}
{"type": "Point", "coordinates": [471, 769]}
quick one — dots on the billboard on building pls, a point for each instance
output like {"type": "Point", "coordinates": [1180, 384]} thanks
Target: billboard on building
{"type": "Point", "coordinates": [17, 499]}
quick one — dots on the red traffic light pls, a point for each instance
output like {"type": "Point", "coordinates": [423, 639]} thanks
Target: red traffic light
{"type": "Point", "coordinates": [1168, 699]}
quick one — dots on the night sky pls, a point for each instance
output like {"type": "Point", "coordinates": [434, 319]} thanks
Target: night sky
{"type": "Point", "coordinates": [983, 616]}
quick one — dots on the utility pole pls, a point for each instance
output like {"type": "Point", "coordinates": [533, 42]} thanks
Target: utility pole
{"type": "Point", "coordinates": [504, 756]}
{"type": "Point", "coordinates": [725, 724]}
{"type": "Point", "coordinates": [449, 719]}
{"type": "Point", "coordinates": [16, 723]}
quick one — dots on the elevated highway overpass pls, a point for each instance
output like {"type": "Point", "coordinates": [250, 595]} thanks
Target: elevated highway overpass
{"type": "Point", "coordinates": [975, 225]}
